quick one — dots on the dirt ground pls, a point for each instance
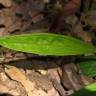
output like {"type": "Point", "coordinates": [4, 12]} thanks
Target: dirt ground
{"type": "Point", "coordinates": [24, 74]}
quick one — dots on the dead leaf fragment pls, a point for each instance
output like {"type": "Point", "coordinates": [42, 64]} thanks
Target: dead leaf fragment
{"type": "Point", "coordinates": [6, 3]}
{"type": "Point", "coordinates": [70, 78]}
{"type": "Point", "coordinates": [15, 74]}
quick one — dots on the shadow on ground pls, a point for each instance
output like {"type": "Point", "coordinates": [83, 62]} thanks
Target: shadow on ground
{"type": "Point", "coordinates": [40, 62]}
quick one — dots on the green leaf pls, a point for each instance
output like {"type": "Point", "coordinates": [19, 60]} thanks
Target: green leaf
{"type": "Point", "coordinates": [47, 44]}
{"type": "Point", "coordinates": [88, 67]}
{"type": "Point", "coordinates": [89, 90]}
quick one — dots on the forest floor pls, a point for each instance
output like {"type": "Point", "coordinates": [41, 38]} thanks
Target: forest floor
{"type": "Point", "coordinates": [24, 74]}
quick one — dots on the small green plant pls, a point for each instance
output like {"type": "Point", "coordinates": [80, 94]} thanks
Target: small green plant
{"type": "Point", "coordinates": [88, 67]}
{"type": "Point", "coordinates": [52, 44]}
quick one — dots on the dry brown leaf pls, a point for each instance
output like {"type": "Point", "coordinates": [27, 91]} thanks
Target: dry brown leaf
{"type": "Point", "coordinates": [15, 74]}
{"type": "Point", "coordinates": [6, 3]}
{"type": "Point", "coordinates": [5, 89]}
{"type": "Point", "coordinates": [78, 31]}
{"type": "Point", "coordinates": [69, 9]}
{"type": "Point", "coordinates": [70, 78]}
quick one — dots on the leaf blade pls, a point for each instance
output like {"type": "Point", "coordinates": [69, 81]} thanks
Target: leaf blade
{"type": "Point", "coordinates": [46, 44]}
{"type": "Point", "coordinates": [88, 67]}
